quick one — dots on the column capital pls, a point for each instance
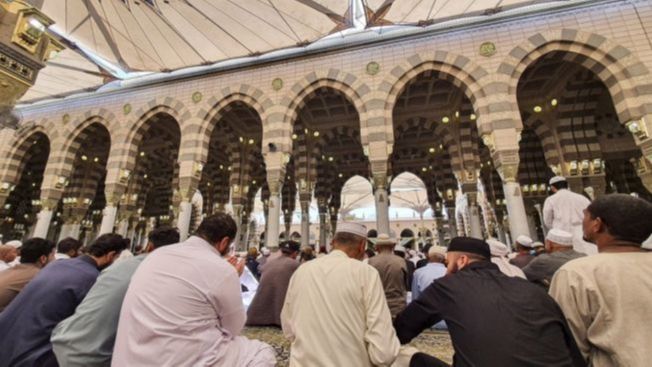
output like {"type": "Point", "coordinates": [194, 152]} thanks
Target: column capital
{"type": "Point", "coordinates": [506, 163]}
{"type": "Point", "coordinates": [380, 181]}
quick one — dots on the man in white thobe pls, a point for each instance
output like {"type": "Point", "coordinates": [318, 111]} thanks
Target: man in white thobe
{"type": "Point", "coordinates": [606, 297]}
{"type": "Point", "coordinates": [564, 210]}
{"type": "Point", "coordinates": [335, 312]}
{"type": "Point", "coordinates": [184, 307]}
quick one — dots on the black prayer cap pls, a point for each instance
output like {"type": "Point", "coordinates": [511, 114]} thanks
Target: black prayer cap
{"type": "Point", "coordinates": [289, 247]}
{"type": "Point", "coordinates": [470, 245]}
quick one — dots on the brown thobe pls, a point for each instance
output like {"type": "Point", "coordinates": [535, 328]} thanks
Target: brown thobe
{"type": "Point", "coordinates": [393, 274]}
{"type": "Point", "coordinates": [265, 309]}
{"type": "Point", "coordinates": [521, 260]}
{"type": "Point", "coordinates": [13, 280]}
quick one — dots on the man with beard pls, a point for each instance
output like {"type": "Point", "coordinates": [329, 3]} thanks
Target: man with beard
{"type": "Point", "coordinates": [49, 298]}
{"type": "Point", "coordinates": [184, 306]}
{"type": "Point", "coordinates": [493, 319]}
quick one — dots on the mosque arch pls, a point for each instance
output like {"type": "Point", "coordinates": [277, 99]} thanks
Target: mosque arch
{"type": "Point", "coordinates": [620, 70]}
{"type": "Point", "coordinates": [23, 140]}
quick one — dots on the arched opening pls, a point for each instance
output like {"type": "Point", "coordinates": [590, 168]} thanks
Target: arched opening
{"type": "Point", "coordinates": [22, 204]}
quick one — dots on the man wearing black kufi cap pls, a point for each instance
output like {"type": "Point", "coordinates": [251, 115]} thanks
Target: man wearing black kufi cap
{"type": "Point", "coordinates": [493, 319]}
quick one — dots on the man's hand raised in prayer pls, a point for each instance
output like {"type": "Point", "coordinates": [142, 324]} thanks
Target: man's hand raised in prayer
{"type": "Point", "coordinates": [238, 264]}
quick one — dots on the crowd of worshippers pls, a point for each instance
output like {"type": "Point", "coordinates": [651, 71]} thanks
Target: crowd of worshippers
{"type": "Point", "coordinates": [581, 299]}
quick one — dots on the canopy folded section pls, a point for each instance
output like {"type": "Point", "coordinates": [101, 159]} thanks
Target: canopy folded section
{"type": "Point", "coordinates": [67, 72]}
{"type": "Point", "coordinates": [166, 35]}
{"type": "Point", "coordinates": [425, 12]}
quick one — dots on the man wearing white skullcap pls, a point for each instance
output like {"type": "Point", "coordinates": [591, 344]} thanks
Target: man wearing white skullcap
{"type": "Point", "coordinates": [564, 210]}
{"type": "Point", "coordinates": [393, 273]}
{"type": "Point", "coordinates": [499, 257]}
{"type": "Point", "coordinates": [559, 248]}
{"type": "Point", "coordinates": [337, 300]}
{"type": "Point", "coordinates": [523, 246]}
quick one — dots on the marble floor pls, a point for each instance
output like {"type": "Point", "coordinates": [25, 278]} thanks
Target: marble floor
{"type": "Point", "coordinates": [433, 342]}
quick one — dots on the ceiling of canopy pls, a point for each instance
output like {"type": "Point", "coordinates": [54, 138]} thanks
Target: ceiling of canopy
{"type": "Point", "coordinates": [120, 39]}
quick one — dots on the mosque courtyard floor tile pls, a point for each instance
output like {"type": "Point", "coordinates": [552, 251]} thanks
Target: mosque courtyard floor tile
{"type": "Point", "coordinates": [432, 342]}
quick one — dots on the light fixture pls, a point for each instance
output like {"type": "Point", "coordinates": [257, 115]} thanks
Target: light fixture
{"type": "Point", "coordinates": [330, 159]}
{"type": "Point", "coordinates": [431, 150]}
{"type": "Point", "coordinates": [424, 169]}
{"type": "Point", "coordinates": [142, 154]}
{"type": "Point", "coordinates": [294, 136]}
{"type": "Point", "coordinates": [253, 182]}
{"type": "Point", "coordinates": [221, 166]}
{"type": "Point", "coordinates": [445, 119]}
{"type": "Point", "coordinates": [537, 109]}
{"type": "Point", "coordinates": [251, 141]}
{"type": "Point", "coordinates": [315, 134]}
{"type": "Point", "coordinates": [145, 175]}
{"type": "Point", "coordinates": [241, 139]}
{"type": "Point", "coordinates": [573, 167]}
{"type": "Point", "coordinates": [84, 158]}
{"type": "Point", "coordinates": [585, 167]}
{"type": "Point", "coordinates": [96, 159]}
{"type": "Point", "coordinates": [554, 102]}
{"type": "Point", "coordinates": [457, 114]}
{"type": "Point", "coordinates": [340, 175]}
{"type": "Point", "coordinates": [473, 117]}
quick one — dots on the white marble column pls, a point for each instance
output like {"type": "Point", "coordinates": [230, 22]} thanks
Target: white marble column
{"type": "Point", "coordinates": [517, 217]}
{"type": "Point", "coordinates": [44, 217]}
{"type": "Point", "coordinates": [475, 221]}
{"type": "Point", "coordinates": [305, 223]}
{"type": "Point", "coordinates": [183, 221]}
{"type": "Point", "coordinates": [123, 227]}
{"type": "Point", "coordinates": [108, 219]}
{"type": "Point", "coordinates": [273, 219]}
{"type": "Point", "coordinates": [65, 231]}
{"type": "Point", "coordinates": [75, 230]}
{"type": "Point", "coordinates": [382, 210]}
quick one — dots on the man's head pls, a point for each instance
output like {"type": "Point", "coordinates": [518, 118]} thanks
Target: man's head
{"type": "Point", "coordinates": [463, 251]}
{"type": "Point", "coordinates": [8, 253]}
{"type": "Point", "coordinates": [437, 254]}
{"type": "Point", "coordinates": [17, 245]}
{"type": "Point", "coordinates": [351, 238]}
{"type": "Point", "coordinates": [37, 251]}
{"type": "Point", "coordinates": [400, 251]}
{"type": "Point", "coordinates": [384, 243]}
{"type": "Point", "coordinates": [523, 243]}
{"type": "Point", "coordinates": [497, 248]}
{"type": "Point", "coordinates": [290, 248]}
{"type": "Point", "coordinates": [69, 246]}
{"type": "Point", "coordinates": [557, 183]}
{"type": "Point", "coordinates": [558, 240]}
{"type": "Point", "coordinates": [218, 230]}
{"type": "Point", "coordinates": [106, 249]}
{"type": "Point", "coordinates": [617, 219]}
{"type": "Point", "coordinates": [161, 236]}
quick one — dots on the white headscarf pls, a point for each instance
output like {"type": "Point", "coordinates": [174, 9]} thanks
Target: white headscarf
{"type": "Point", "coordinates": [499, 257]}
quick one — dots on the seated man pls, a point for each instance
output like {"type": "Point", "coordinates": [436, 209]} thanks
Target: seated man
{"type": "Point", "coordinates": [265, 309]}
{"type": "Point", "coordinates": [559, 245]}
{"type": "Point", "coordinates": [393, 273]}
{"type": "Point", "coordinates": [35, 254]}
{"type": "Point", "coordinates": [493, 319]}
{"type": "Point", "coordinates": [424, 276]}
{"type": "Point", "coordinates": [606, 297]}
{"type": "Point", "coordinates": [49, 298]}
{"type": "Point", "coordinates": [335, 313]}
{"type": "Point", "coordinates": [523, 256]}
{"type": "Point", "coordinates": [68, 248]}
{"type": "Point", "coordinates": [184, 306]}
{"type": "Point", "coordinates": [86, 338]}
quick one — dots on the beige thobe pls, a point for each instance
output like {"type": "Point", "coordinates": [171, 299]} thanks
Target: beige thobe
{"type": "Point", "coordinates": [335, 314]}
{"type": "Point", "coordinates": [565, 210]}
{"type": "Point", "coordinates": [606, 299]}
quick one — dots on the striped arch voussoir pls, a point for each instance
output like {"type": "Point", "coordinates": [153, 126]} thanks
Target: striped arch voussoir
{"type": "Point", "coordinates": [624, 75]}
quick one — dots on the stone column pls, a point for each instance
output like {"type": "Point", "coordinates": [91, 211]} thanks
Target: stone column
{"type": "Point", "coordinates": [475, 221]}
{"type": "Point", "coordinates": [452, 224]}
{"type": "Point", "coordinates": [323, 231]}
{"type": "Point", "coordinates": [44, 217]}
{"type": "Point", "coordinates": [305, 223]}
{"type": "Point", "coordinates": [517, 216]}
{"type": "Point", "coordinates": [183, 220]}
{"type": "Point", "coordinates": [381, 199]}
{"type": "Point", "coordinates": [123, 228]}
{"type": "Point", "coordinates": [273, 220]}
{"type": "Point", "coordinates": [108, 219]}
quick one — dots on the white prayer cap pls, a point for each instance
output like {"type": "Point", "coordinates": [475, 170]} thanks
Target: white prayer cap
{"type": "Point", "coordinates": [399, 248]}
{"type": "Point", "coordinates": [384, 240]}
{"type": "Point", "coordinates": [647, 244]}
{"type": "Point", "coordinates": [497, 248]}
{"type": "Point", "coordinates": [560, 237]}
{"type": "Point", "coordinates": [352, 228]}
{"type": "Point", "coordinates": [557, 179]}
{"type": "Point", "coordinates": [536, 244]}
{"type": "Point", "coordinates": [412, 253]}
{"type": "Point", "coordinates": [437, 250]}
{"type": "Point", "coordinates": [15, 244]}
{"type": "Point", "coordinates": [265, 251]}
{"type": "Point", "coordinates": [524, 241]}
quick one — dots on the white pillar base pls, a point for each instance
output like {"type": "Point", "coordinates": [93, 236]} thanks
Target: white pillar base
{"type": "Point", "coordinates": [518, 223]}
{"type": "Point", "coordinates": [381, 199]}
{"type": "Point", "coordinates": [42, 223]}
{"type": "Point", "coordinates": [108, 220]}
{"type": "Point", "coordinates": [305, 229]}
{"type": "Point", "coordinates": [183, 222]}
{"type": "Point", "coordinates": [273, 222]}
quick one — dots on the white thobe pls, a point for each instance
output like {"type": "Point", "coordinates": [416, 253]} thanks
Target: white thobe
{"type": "Point", "coordinates": [184, 308]}
{"type": "Point", "coordinates": [565, 210]}
{"type": "Point", "coordinates": [335, 314]}
{"type": "Point", "coordinates": [606, 299]}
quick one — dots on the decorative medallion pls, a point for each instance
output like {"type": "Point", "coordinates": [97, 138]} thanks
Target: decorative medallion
{"type": "Point", "coordinates": [487, 49]}
{"type": "Point", "coordinates": [126, 108]}
{"type": "Point", "coordinates": [65, 118]}
{"type": "Point", "coordinates": [373, 68]}
{"type": "Point", "coordinates": [277, 84]}
{"type": "Point", "coordinates": [196, 97]}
